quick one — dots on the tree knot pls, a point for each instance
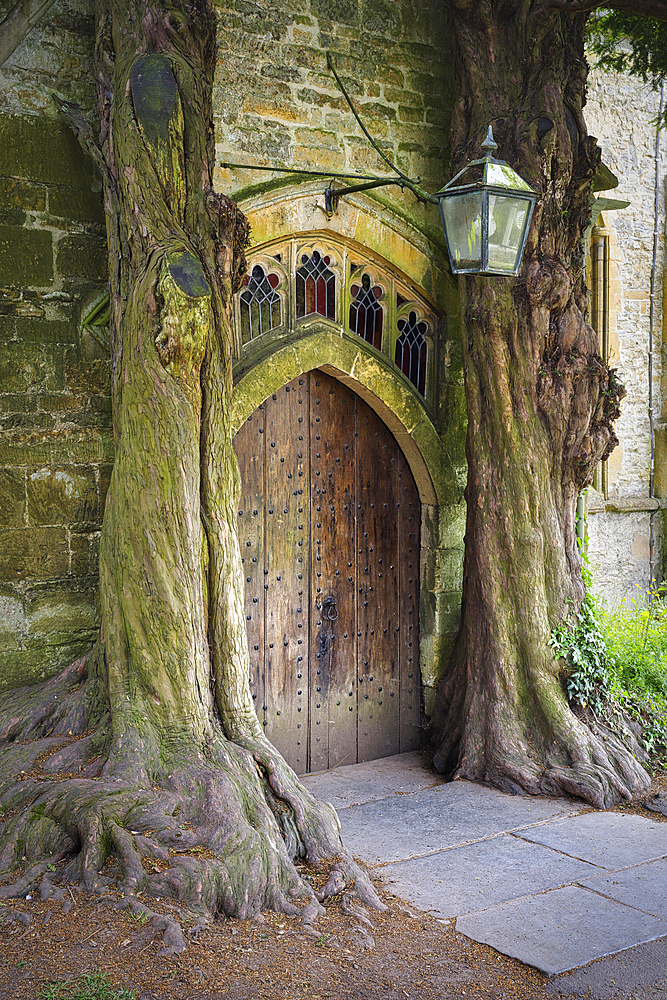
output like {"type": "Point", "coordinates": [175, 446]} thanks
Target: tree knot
{"type": "Point", "coordinates": [548, 284]}
{"type": "Point", "coordinates": [233, 232]}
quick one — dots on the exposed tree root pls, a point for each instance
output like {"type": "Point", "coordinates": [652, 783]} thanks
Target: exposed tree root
{"type": "Point", "coordinates": [215, 829]}
{"type": "Point", "coordinates": [547, 751]}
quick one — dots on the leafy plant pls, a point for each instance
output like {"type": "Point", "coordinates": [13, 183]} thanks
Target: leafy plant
{"type": "Point", "coordinates": [581, 643]}
{"type": "Point", "coordinates": [89, 986]}
{"type": "Point", "coordinates": [636, 635]}
{"type": "Point", "coordinates": [617, 660]}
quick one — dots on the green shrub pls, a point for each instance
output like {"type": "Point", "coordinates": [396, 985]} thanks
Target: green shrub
{"type": "Point", "coordinates": [636, 635]}
{"type": "Point", "coordinates": [617, 659]}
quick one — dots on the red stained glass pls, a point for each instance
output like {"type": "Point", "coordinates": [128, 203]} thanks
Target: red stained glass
{"type": "Point", "coordinates": [315, 287]}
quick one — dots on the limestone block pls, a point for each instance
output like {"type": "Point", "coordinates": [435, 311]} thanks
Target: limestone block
{"type": "Point", "coordinates": [26, 257]}
{"type": "Point", "coordinates": [33, 553]}
{"type": "Point", "coordinates": [62, 495]}
{"type": "Point", "coordinates": [82, 257]}
{"type": "Point", "coordinates": [12, 498]}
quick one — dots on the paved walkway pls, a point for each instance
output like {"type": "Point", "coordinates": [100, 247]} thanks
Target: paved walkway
{"type": "Point", "coordinates": [539, 879]}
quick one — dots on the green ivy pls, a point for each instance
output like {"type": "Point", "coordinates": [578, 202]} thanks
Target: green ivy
{"type": "Point", "coordinates": [617, 662]}
{"type": "Point", "coordinates": [581, 643]}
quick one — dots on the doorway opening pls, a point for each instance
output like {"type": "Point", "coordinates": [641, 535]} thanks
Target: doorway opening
{"type": "Point", "coordinates": [329, 522]}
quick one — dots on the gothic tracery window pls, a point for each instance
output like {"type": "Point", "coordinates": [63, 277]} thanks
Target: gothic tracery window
{"type": "Point", "coordinates": [410, 354]}
{"type": "Point", "coordinates": [305, 278]}
{"type": "Point", "coordinates": [366, 313]}
{"type": "Point", "coordinates": [261, 308]}
{"type": "Point", "coordinates": [315, 287]}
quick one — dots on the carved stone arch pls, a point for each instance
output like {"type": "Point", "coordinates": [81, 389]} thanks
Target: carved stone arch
{"type": "Point", "coordinates": [398, 405]}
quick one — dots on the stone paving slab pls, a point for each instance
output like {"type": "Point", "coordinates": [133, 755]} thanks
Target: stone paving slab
{"type": "Point", "coordinates": [481, 875]}
{"type": "Point", "coordinates": [640, 972]}
{"type": "Point", "coordinates": [610, 840]}
{"type": "Point", "coordinates": [354, 784]}
{"type": "Point", "coordinates": [420, 823]}
{"type": "Point", "coordinates": [644, 887]}
{"type": "Point", "coordinates": [559, 930]}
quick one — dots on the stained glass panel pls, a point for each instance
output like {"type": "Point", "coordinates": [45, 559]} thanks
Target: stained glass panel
{"type": "Point", "coordinates": [315, 287]}
{"type": "Point", "coordinates": [366, 313]}
{"type": "Point", "coordinates": [411, 350]}
{"type": "Point", "coordinates": [261, 307]}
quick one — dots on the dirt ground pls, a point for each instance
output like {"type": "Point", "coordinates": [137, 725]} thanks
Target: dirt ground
{"type": "Point", "coordinates": [405, 953]}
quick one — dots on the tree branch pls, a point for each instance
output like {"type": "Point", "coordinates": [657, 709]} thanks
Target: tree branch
{"type": "Point", "coordinates": [20, 20]}
{"type": "Point", "coordinates": [644, 8]}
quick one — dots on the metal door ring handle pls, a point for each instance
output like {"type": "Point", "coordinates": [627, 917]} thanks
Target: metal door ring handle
{"type": "Point", "coordinates": [329, 609]}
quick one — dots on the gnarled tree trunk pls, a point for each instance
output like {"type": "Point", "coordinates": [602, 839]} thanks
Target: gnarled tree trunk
{"type": "Point", "coordinates": [147, 755]}
{"type": "Point", "coordinates": [541, 404]}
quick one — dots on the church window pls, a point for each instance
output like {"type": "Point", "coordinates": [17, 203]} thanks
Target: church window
{"type": "Point", "coordinates": [261, 308]}
{"type": "Point", "coordinates": [300, 284]}
{"type": "Point", "coordinates": [410, 354]}
{"type": "Point", "coordinates": [315, 287]}
{"type": "Point", "coordinates": [366, 313]}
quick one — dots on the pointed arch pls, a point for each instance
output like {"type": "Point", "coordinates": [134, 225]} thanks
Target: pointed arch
{"type": "Point", "coordinates": [376, 381]}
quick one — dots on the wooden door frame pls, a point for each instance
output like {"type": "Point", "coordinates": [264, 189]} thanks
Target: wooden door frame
{"type": "Point", "coordinates": [402, 409]}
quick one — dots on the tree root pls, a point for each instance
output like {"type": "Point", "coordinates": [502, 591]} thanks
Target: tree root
{"type": "Point", "coordinates": [216, 829]}
{"type": "Point", "coordinates": [578, 756]}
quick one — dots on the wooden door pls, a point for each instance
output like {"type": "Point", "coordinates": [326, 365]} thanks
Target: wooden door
{"type": "Point", "coordinates": [329, 521]}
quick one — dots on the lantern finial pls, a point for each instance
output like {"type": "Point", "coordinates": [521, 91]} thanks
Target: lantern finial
{"type": "Point", "coordinates": [489, 146]}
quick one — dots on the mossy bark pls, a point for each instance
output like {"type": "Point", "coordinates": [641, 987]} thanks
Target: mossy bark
{"type": "Point", "coordinates": [148, 752]}
{"type": "Point", "coordinates": [541, 404]}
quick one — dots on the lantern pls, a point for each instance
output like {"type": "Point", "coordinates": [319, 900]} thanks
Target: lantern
{"type": "Point", "coordinates": [486, 212]}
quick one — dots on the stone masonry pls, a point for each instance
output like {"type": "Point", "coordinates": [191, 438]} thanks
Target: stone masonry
{"type": "Point", "coordinates": [621, 113]}
{"type": "Point", "coordinates": [56, 447]}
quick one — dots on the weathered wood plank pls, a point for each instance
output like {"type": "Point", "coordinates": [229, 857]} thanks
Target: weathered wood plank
{"type": "Point", "coordinates": [333, 639]}
{"type": "Point", "coordinates": [409, 527]}
{"type": "Point", "coordinates": [377, 591]}
{"type": "Point", "coordinates": [249, 447]}
{"type": "Point", "coordinates": [286, 572]}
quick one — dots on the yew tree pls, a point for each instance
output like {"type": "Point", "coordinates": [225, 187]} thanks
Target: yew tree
{"type": "Point", "coordinates": [541, 404]}
{"type": "Point", "coordinates": [143, 764]}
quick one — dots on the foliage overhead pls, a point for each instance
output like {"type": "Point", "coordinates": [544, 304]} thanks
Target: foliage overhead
{"type": "Point", "coordinates": [630, 43]}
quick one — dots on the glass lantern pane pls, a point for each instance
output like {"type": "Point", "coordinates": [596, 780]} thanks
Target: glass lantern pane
{"type": "Point", "coordinates": [507, 219]}
{"type": "Point", "coordinates": [461, 217]}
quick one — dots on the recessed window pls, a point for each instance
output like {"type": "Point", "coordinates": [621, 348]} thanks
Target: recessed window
{"type": "Point", "coordinates": [315, 286]}
{"type": "Point", "coordinates": [298, 281]}
{"type": "Point", "coordinates": [261, 309]}
{"type": "Point", "coordinates": [411, 350]}
{"type": "Point", "coordinates": [366, 311]}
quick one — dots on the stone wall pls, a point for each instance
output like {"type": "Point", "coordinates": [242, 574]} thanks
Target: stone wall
{"type": "Point", "coordinates": [619, 112]}
{"type": "Point", "coordinates": [56, 447]}
{"type": "Point", "coordinates": [277, 103]}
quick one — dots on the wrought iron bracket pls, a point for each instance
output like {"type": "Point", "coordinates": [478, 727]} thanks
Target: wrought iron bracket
{"type": "Point", "coordinates": [333, 195]}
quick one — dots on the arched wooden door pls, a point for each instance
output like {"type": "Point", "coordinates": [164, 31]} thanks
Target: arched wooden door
{"type": "Point", "coordinates": [329, 522]}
